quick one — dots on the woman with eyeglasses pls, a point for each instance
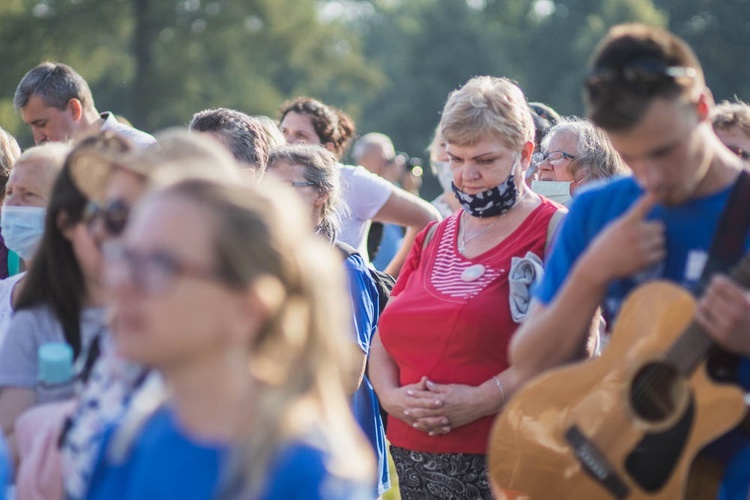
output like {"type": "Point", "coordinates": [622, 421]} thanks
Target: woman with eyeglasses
{"type": "Point", "coordinates": [312, 172]}
{"type": "Point", "coordinates": [574, 153]}
{"type": "Point", "coordinates": [439, 361]}
{"type": "Point", "coordinates": [227, 293]}
{"type": "Point", "coordinates": [114, 184]}
{"type": "Point", "coordinates": [367, 196]}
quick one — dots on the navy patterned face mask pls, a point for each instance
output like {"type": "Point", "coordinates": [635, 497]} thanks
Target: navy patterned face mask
{"type": "Point", "coordinates": [492, 202]}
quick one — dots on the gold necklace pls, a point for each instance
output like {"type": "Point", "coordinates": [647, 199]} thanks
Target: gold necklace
{"type": "Point", "coordinates": [463, 240]}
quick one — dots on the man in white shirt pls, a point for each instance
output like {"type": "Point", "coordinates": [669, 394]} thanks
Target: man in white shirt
{"type": "Point", "coordinates": [57, 104]}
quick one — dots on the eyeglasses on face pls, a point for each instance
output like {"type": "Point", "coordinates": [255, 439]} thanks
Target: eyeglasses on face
{"type": "Point", "coordinates": [152, 273]}
{"type": "Point", "coordinates": [301, 183]}
{"type": "Point", "coordinates": [114, 215]}
{"type": "Point", "coordinates": [745, 155]}
{"type": "Point", "coordinates": [554, 157]}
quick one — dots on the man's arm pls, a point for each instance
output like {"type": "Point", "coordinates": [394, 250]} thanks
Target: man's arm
{"type": "Point", "coordinates": [413, 213]}
{"type": "Point", "coordinates": [556, 334]}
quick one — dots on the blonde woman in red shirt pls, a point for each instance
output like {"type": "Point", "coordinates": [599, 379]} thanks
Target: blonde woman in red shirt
{"type": "Point", "coordinates": [439, 362]}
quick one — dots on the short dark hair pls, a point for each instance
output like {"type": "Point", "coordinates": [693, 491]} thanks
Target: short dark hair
{"type": "Point", "coordinates": [56, 84]}
{"type": "Point", "coordinates": [544, 119]}
{"type": "Point", "coordinates": [242, 134]}
{"type": "Point", "coordinates": [331, 124]}
{"type": "Point", "coordinates": [631, 67]}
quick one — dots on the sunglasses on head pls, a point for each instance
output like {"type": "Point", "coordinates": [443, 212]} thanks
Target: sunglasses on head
{"type": "Point", "coordinates": [642, 75]}
{"type": "Point", "coordinates": [113, 216]}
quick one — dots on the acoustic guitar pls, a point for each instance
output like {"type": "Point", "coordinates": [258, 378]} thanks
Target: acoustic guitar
{"type": "Point", "coordinates": [627, 424]}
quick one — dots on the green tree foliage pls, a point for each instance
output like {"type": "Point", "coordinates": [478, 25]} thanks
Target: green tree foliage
{"type": "Point", "coordinates": [717, 30]}
{"type": "Point", "coordinates": [158, 62]}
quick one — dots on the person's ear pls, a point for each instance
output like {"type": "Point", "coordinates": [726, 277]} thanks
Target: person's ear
{"type": "Point", "coordinates": [64, 225]}
{"type": "Point", "coordinates": [321, 199]}
{"type": "Point", "coordinates": [704, 104]}
{"type": "Point", "coordinates": [526, 152]}
{"type": "Point", "coordinates": [75, 108]}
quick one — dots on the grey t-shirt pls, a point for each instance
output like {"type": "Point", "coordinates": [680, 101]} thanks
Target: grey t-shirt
{"type": "Point", "coordinates": [28, 330]}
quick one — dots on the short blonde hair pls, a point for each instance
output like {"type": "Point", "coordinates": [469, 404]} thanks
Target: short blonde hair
{"type": "Point", "coordinates": [487, 106]}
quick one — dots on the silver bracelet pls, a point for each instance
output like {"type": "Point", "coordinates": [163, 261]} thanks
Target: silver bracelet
{"type": "Point", "coordinates": [502, 391]}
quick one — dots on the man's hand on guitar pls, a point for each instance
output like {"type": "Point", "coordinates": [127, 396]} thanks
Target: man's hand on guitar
{"type": "Point", "coordinates": [627, 245]}
{"type": "Point", "coordinates": [724, 312]}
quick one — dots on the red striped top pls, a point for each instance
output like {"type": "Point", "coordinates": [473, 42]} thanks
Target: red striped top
{"type": "Point", "coordinates": [452, 330]}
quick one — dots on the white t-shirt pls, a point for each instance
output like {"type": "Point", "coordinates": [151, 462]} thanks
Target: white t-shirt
{"type": "Point", "coordinates": [364, 194]}
{"type": "Point", "coordinates": [139, 138]}
{"type": "Point", "coordinates": [6, 295]}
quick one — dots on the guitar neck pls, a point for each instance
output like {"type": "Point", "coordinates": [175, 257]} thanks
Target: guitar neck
{"type": "Point", "coordinates": [693, 345]}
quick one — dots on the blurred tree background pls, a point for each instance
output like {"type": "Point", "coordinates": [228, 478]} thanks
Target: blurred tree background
{"type": "Point", "coordinates": [389, 63]}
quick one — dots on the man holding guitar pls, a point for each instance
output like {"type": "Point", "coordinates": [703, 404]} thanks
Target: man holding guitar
{"type": "Point", "coordinates": [646, 89]}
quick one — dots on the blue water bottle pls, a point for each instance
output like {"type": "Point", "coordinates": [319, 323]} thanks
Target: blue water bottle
{"type": "Point", "coordinates": [55, 372]}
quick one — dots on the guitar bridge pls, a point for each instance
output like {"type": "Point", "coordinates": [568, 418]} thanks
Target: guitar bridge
{"type": "Point", "coordinates": [595, 464]}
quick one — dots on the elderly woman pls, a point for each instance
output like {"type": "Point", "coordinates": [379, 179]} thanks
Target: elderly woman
{"type": "Point", "coordinates": [574, 153]}
{"type": "Point", "coordinates": [439, 360]}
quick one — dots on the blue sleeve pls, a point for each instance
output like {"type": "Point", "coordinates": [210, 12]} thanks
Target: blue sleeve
{"type": "Point", "coordinates": [364, 301]}
{"type": "Point", "coordinates": [590, 212]}
{"type": "Point", "coordinates": [568, 246]}
{"type": "Point", "coordinates": [734, 484]}
{"type": "Point", "coordinates": [5, 472]}
{"type": "Point", "coordinates": [300, 472]}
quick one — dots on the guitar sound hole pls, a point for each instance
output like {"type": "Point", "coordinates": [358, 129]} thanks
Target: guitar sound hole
{"type": "Point", "coordinates": [656, 391]}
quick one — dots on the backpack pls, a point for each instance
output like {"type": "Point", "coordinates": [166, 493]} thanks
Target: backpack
{"type": "Point", "coordinates": [384, 282]}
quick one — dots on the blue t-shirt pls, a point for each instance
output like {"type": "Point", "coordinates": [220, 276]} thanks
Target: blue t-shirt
{"type": "Point", "coordinates": [164, 463]}
{"type": "Point", "coordinates": [365, 406]}
{"type": "Point", "coordinates": [393, 236]}
{"type": "Point", "coordinates": [5, 472]}
{"type": "Point", "coordinates": [690, 229]}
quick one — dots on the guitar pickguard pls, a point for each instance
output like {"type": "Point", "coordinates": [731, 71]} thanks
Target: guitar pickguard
{"type": "Point", "coordinates": [654, 458]}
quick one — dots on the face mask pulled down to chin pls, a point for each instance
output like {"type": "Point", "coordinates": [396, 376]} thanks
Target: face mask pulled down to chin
{"type": "Point", "coordinates": [557, 191]}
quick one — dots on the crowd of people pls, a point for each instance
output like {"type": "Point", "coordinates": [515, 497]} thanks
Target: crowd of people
{"type": "Point", "coordinates": [198, 314]}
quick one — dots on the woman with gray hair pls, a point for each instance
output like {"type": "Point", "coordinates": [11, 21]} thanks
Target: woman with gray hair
{"type": "Point", "coordinates": [574, 152]}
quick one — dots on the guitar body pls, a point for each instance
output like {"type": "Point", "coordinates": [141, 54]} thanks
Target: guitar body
{"type": "Point", "coordinates": [589, 431]}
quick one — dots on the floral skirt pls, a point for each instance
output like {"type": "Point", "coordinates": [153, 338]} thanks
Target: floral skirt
{"type": "Point", "coordinates": [460, 476]}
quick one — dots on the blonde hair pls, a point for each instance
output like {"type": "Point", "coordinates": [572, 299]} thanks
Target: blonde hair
{"type": "Point", "coordinates": [298, 356]}
{"type": "Point", "coordinates": [9, 150]}
{"type": "Point", "coordinates": [487, 106]}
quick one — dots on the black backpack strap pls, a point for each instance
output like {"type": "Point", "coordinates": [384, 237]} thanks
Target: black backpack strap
{"type": "Point", "coordinates": [727, 247]}
{"type": "Point", "coordinates": [729, 241]}
{"type": "Point", "coordinates": [346, 249]}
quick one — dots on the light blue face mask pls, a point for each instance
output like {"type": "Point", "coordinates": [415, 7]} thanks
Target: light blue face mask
{"type": "Point", "coordinates": [22, 229]}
